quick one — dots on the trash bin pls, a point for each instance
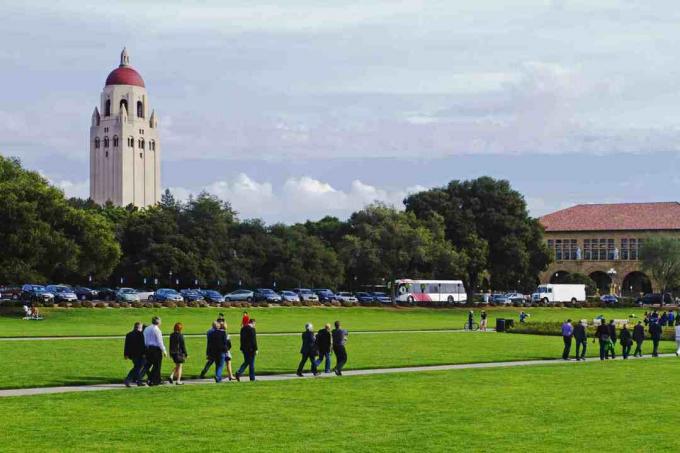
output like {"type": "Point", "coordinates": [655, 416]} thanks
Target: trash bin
{"type": "Point", "coordinates": [500, 325]}
{"type": "Point", "coordinates": [509, 323]}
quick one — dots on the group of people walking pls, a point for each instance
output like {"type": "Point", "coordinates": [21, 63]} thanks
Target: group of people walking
{"type": "Point", "coordinates": [145, 348]}
{"type": "Point", "coordinates": [607, 336]}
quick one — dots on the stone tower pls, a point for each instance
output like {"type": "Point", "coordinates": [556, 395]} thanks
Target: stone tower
{"type": "Point", "coordinates": [125, 152]}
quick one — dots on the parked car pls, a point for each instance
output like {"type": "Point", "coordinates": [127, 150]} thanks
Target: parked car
{"type": "Point", "coordinates": [609, 299]}
{"type": "Point", "coordinates": [240, 295]}
{"type": "Point", "coordinates": [10, 292]}
{"type": "Point", "coordinates": [36, 293]}
{"type": "Point", "coordinates": [191, 295]}
{"type": "Point", "coordinates": [265, 295]}
{"type": "Point", "coordinates": [166, 295]}
{"type": "Point", "coordinates": [381, 297]}
{"type": "Point", "coordinates": [62, 293]}
{"type": "Point", "coordinates": [106, 293]}
{"type": "Point", "coordinates": [325, 294]}
{"type": "Point", "coordinates": [502, 299]}
{"type": "Point", "coordinates": [365, 297]}
{"type": "Point", "coordinates": [306, 294]}
{"type": "Point", "coordinates": [655, 299]}
{"type": "Point", "coordinates": [516, 297]}
{"type": "Point", "coordinates": [290, 296]}
{"type": "Point", "coordinates": [212, 296]}
{"type": "Point", "coordinates": [344, 296]}
{"type": "Point", "coordinates": [127, 295]}
{"type": "Point", "coordinates": [84, 293]}
{"type": "Point", "coordinates": [144, 293]}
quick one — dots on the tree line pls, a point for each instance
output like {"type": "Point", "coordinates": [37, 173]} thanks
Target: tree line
{"type": "Point", "coordinates": [477, 230]}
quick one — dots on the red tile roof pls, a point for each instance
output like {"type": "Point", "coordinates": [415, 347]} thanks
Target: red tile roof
{"type": "Point", "coordinates": [608, 217]}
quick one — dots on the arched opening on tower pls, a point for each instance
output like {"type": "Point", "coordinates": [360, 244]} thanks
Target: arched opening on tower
{"type": "Point", "coordinates": [107, 108]}
{"type": "Point", "coordinates": [602, 281]}
{"type": "Point", "coordinates": [636, 283]}
{"type": "Point", "coordinates": [123, 103]}
{"type": "Point", "coordinates": [140, 109]}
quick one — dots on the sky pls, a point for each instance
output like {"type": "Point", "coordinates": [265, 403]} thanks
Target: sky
{"type": "Point", "coordinates": [299, 109]}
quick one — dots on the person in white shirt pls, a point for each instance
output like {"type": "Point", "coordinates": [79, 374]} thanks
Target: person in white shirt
{"type": "Point", "coordinates": [155, 350]}
{"type": "Point", "coordinates": [677, 339]}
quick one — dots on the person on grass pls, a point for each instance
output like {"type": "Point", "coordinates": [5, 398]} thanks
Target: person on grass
{"type": "Point", "coordinates": [217, 349]}
{"type": "Point", "coordinates": [638, 337]}
{"type": "Point", "coordinates": [209, 361]}
{"type": "Point", "coordinates": [249, 349]}
{"type": "Point", "coordinates": [323, 344]}
{"type": "Point", "coordinates": [178, 352]}
{"type": "Point", "coordinates": [581, 337]}
{"type": "Point", "coordinates": [339, 337]}
{"type": "Point", "coordinates": [155, 350]}
{"type": "Point", "coordinates": [227, 356]}
{"type": "Point", "coordinates": [626, 340]}
{"type": "Point", "coordinates": [245, 319]}
{"type": "Point", "coordinates": [567, 333]}
{"type": "Point", "coordinates": [134, 351]}
{"type": "Point", "coordinates": [677, 340]}
{"type": "Point", "coordinates": [308, 350]}
{"type": "Point", "coordinates": [471, 319]}
{"type": "Point", "coordinates": [602, 336]}
{"type": "Point", "coordinates": [655, 333]}
{"type": "Point", "coordinates": [482, 321]}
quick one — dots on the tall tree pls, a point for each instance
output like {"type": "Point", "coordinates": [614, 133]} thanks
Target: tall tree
{"type": "Point", "coordinates": [660, 258]}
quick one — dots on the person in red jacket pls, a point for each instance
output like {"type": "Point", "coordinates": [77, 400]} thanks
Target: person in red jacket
{"type": "Point", "coordinates": [245, 320]}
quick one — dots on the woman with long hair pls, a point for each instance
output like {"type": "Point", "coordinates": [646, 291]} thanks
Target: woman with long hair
{"type": "Point", "coordinates": [178, 352]}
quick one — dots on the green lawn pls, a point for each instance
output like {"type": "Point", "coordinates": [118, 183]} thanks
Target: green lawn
{"type": "Point", "coordinates": [612, 406]}
{"type": "Point", "coordinates": [68, 362]}
{"type": "Point", "coordinates": [108, 322]}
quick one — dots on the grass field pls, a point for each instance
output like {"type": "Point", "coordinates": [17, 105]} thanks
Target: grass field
{"type": "Point", "coordinates": [109, 322]}
{"type": "Point", "coordinates": [69, 362]}
{"type": "Point", "coordinates": [613, 406]}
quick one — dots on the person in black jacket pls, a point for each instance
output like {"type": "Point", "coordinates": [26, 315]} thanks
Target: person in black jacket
{"type": "Point", "coordinates": [178, 352]}
{"type": "Point", "coordinates": [639, 337]}
{"type": "Point", "coordinates": [308, 350]}
{"type": "Point", "coordinates": [134, 350]}
{"type": "Point", "coordinates": [218, 347]}
{"type": "Point", "coordinates": [655, 333]}
{"type": "Point", "coordinates": [249, 349]}
{"type": "Point", "coordinates": [602, 335]}
{"type": "Point", "coordinates": [581, 337]}
{"type": "Point", "coordinates": [626, 341]}
{"type": "Point", "coordinates": [323, 344]}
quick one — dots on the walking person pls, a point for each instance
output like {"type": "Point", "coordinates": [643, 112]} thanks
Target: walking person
{"type": "Point", "coordinates": [308, 350]}
{"type": "Point", "coordinates": [217, 349]}
{"type": "Point", "coordinates": [178, 352]}
{"type": "Point", "coordinates": [581, 337]}
{"type": "Point", "coordinates": [609, 347]}
{"type": "Point", "coordinates": [626, 341]}
{"type": "Point", "coordinates": [209, 362]}
{"type": "Point", "coordinates": [677, 340]}
{"type": "Point", "coordinates": [134, 350]}
{"type": "Point", "coordinates": [249, 349]}
{"type": "Point", "coordinates": [155, 350]}
{"type": "Point", "coordinates": [471, 319]}
{"type": "Point", "coordinates": [339, 337]}
{"type": "Point", "coordinates": [602, 335]}
{"type": "Point", "coordinates": [639, 337]}
{"type": "Point", "coordinates": [482, 321]}
{"type": "Point", "coordinates": [655, 333]}
{"type": "Point", "coordinates": [567, 333]}
{"type": "Point", "coordinates": [323, 344]}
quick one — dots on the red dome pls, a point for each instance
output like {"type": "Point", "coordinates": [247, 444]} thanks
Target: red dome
{"type": "Point", "coordinates": [125, 75]}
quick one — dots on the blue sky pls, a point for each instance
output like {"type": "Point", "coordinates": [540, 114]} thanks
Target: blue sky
{"type": "Point", "coordinates": [312, 108]}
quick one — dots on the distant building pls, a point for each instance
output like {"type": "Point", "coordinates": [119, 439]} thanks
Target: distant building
{"type": "Point", "coordinates": [124, 146]}
{"type": "Point", "coordinates": [603, 241]}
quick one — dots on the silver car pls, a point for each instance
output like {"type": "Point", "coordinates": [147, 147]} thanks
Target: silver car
{"type": "Point", "coordinates": [127, 295]}
{"type": "Point", "coordinates": [306, 294]}
{"type": "Point", "coordinates": [344, 296]}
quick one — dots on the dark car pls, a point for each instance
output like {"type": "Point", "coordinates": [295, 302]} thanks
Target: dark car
{"type": "Point", "coordinates": [325, 294]}
{"type": "Point", "coordinates": [609, 299]}
{"type": "Point", "coordinates": [166, 295]}
{"type": "Point", "coordinates": [10, 292]}
{"type": "Point", "coordinates": [266, 295]}
{"type": "Point", "coordinates": [655, 299]}
{"type": "Point", "coordinates": [212, 296]}
{"type": "Point", "coordinates": [62, 293]}
{"type": "Point", "coordinates": [84, 293]}
{"type": "Point", "coordinates": [106, 293]}
{"type": "Point", "coordinates": [364, 297]}
{"type": "Point", "coordinates": [381, 297]}
{"type": "Point", "coordinates": [191, 295]}
{"type": "Point", "coordinates": [36, 293]}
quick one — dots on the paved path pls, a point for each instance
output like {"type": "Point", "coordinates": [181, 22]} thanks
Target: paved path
{"type": "Point", "coordinates": [202, 335]}
{"type": "Point", "coordinates": [286, 377]}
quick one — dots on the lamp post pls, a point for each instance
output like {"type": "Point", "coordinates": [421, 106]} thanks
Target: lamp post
{"type": "Point", "coordinates": [611, 273]}
{"type": "Point", "coordinates": [170, 278]}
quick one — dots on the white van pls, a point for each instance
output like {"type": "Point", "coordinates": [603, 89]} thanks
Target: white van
{"type": "Point", "coordinates": [552, 293]}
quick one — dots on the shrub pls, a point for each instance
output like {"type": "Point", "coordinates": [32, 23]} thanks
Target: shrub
{"type": "Point", "coordinates": [124, 305]}
{"type": "Point", "coordinates": [335, 303]}
{"type": "Point", "coordinates": [157, 305]}
{"type": "Point", "coordinates": [63, 304]}
{"type": "Point", "coordinates": [225, 304]}
{"type": "Point", "coordinates": [192, 303]}
{"type": "Point", "coordinates": [137, 305]}
{"type": "Point", "coordinates": [87, 304]}
{"type": "Point", "coordinates": [246, 304]}
{"type": "Point", "coordinates": [181, 304]}
{"type": "Point", "coordinates": [347, 303]}
{"type": "Point", "coordinates": [286, 303]}
{"type": "Point", "coordinates": [114, 304]}
{"type": "Point", "coordinates": [203, 304]}
{"type": "Point", "coordinates": [76, 304]}
{"type": "Point", "coordinates": [307, 303]}
{"type": "Point", "coordinates": [169, 304]}
{"type": "Point", "coordinates": [100, 305]}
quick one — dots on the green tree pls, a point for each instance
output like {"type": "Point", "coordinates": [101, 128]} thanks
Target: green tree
{"type": "Point", "coordinates": [660, 258]}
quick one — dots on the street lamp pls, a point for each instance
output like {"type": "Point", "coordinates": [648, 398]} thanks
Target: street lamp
{"type": "Point", "coordinates": [170, 278]}
{"type": "Point", "coordinates": [611, 273]}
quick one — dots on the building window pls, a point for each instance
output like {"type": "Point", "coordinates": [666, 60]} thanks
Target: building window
{"type": "Point", "coordinates": [610, 249]}
{"type": "Point", "coordinates": [106, 141]}
{"type": "Point", "coordinates": [96, 143]}
{"type": "Point", "coordinates": [140, 109]}
{"type": "Point", "coordinates": [107, 154]}
{"type": "Point", "coordinates": [140, 155]}
{"type": "Point", "coordinates": [624, 249]}
{"type": "Point", "coordinates": [633, 244]}
{"type": "Point", "coordinates": [152, 145]}
{"type": "Point", "coordinates": [107, 107]}
{"type": "Point", "coordinates": [572, 249]}
{"type": "Point", "coordinates": [140, 143]}
{"type": "Point", "coordinates": [123, 103]}
{"type": "Point", "coordinates": [131, 142]}
{"type": "Point", "coordinates": [115, 141]}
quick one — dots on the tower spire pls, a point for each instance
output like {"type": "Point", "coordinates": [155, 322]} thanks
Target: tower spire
{"type": "Point", "coordinates": [124, 57]}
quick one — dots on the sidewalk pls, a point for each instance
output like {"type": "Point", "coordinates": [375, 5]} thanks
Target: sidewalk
{"type": "Point", "coordinates": [286, 377]}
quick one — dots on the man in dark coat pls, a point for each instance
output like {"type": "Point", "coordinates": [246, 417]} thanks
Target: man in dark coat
{"type": "Point", "coordinates": [308, 350]}
{"type": "Point", "coordinates": [134, 350]}
{"type": "Point", "coordinates": [217, 349]}
{"type": "Point", "coordinates": [339, 336]}
{"type": "Point", "coordinates": [626, 341]}
{"type": "Point", "coordinates": [639, 337]}
{"type": "Point", "coordinates": [581, 337]}
{"type": "Point", "coordinates": [602, 335]}
{"type": "Point", "coordinates": [249, 349]}
{"type": "Point", "coordinates": [323, 344]}
{"type": "Point", "coordinates": [655, 333]}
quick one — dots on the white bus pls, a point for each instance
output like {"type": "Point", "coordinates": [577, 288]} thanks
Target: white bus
{"type": "Point", "coordinates": [425, 291]}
